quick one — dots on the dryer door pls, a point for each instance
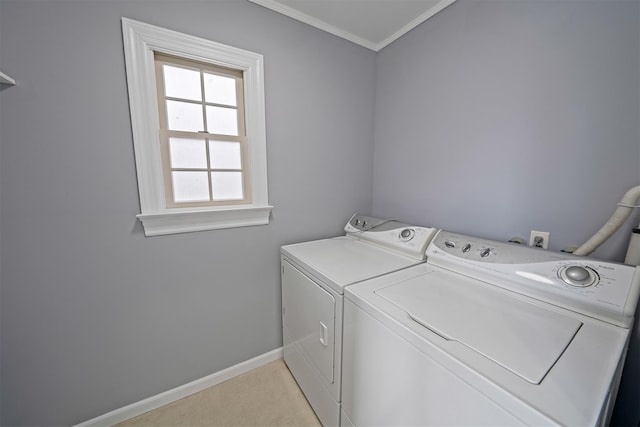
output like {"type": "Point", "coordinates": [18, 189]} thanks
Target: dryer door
{"type": "Point", "coordinates": [309, 319]}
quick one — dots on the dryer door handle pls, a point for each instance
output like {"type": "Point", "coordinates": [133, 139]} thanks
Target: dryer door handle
{"type": "Point", "coordinates": [324, 335]}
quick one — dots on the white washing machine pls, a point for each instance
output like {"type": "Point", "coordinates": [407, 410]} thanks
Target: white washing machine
{"type": "Point", "coordinates": [314, 276]}
{"type": "Point", "coordinates": [488, 333]}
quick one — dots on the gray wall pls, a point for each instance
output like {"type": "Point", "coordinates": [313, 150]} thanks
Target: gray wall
{"type": "Point", "coordinates": [94, 315]}
{"type": "Point", "coordinates": [498, 117]}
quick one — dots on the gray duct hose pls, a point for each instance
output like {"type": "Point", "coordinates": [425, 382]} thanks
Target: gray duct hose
{"type": "Point", "coordinates": [620, 215]}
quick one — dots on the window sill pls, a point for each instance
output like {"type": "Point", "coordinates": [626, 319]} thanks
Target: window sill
{"type": "Point", "coordinates": [188, 220]}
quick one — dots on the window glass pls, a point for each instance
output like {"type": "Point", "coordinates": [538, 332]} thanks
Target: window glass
{"type": "Point", "coordinates": [188, 153]}
{"type": "Point", "coordinates": [219, 89]}
{"type": "Point", "coordinates": [184, 116]}
{"type": "Point", "coordinates": [190, 186]}
{"type": "Point", "coordinates": [182, 83]}
{"type": "Point", "coordinates": [227, 185]}
{"type": "Point", "coordinates": [225, 155]}
{"type": "Point", "coordinates": [223, 121]}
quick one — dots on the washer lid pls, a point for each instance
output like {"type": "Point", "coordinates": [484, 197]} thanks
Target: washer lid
{"type": "Point", "coordinates": [523, 338]}
{"type": "Point", "coordinates": [342, 261]}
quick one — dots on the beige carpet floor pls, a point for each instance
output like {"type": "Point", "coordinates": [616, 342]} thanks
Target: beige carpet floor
{"type": "Point", "coordinates": [267, 396]}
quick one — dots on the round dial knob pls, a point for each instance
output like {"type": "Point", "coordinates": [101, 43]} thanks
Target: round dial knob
{"type": "Point", "coordinates": [407, 234]}
{"type": "Point", "coordinates": [577, 275]}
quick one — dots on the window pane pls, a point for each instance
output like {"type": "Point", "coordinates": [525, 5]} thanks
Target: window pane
{"type": "Point", "coordinates": [182, 83]}
{"type": "Point", "coordinates": [184, 116]}
{"type": "Point", "coordinates": [225, 155]}
{"type": "Point", "coordinates": [187, 153]}
{"type": "Point", "coordinates": [227, 185]}
{"type": "Point", "coordinates": [223, 121]}
{"type": "Point", "coordinates": [190, 186]}
{"type": "Point", "coordinates": [219, 89]}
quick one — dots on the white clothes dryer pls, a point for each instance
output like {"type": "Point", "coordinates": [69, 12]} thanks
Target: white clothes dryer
{"type": "Point", "coordinates": [314, 276]}
{"type": "Point", "coordinates": [488, 333]}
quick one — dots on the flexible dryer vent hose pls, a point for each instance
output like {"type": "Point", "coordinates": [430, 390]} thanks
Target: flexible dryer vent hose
{"type": "Point", "coordinates": [633, 253]}
{"type": "Point", "coordinates": [622, 212]}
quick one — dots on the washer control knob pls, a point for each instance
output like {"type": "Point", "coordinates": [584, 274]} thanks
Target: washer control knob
{"type": "Point", "coordinates": [466, 248]}
{"type": "Point", "coordinates": [577, 275]}
{"type": "Point", "coordinates": [450, 244]}
{"type": "Point", "coordinates": [485, 252]}
{"type": "Point", "coordinates": [407, 234]}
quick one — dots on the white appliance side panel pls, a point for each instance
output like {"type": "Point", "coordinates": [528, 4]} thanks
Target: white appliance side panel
{"type": "Point", "coordinates": [309, 316]}
{"type": "Point", "coordinates": [386, 381]}
{"type": "Point", "coordinates": [522, 337]}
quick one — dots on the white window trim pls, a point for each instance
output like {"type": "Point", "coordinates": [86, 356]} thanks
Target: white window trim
{"type": "Point", "coordinates": [140, 42]}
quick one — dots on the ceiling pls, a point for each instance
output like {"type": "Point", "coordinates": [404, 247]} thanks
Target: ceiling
{"type": "Point", "coordinates": [370, 23]}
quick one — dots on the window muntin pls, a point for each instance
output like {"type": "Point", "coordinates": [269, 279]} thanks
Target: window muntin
{"type": "Point", "coordinates": [202, 133]}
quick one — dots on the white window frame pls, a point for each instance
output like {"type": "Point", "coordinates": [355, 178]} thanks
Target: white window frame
{"type": "Point", "coordinates": [141, 41]}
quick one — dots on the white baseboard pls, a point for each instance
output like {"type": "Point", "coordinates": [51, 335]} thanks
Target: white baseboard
{"type": "Point", "coordinates": [153, 402]}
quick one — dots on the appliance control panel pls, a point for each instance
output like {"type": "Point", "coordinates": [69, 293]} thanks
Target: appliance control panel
{"type": "Point", "coordinates": [601, 289]}
{"type": "Point", "coordinates": [410, 240]}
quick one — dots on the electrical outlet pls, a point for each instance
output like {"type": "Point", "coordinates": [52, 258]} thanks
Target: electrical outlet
{"type": "Point", "coordinates": [539, 239]}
